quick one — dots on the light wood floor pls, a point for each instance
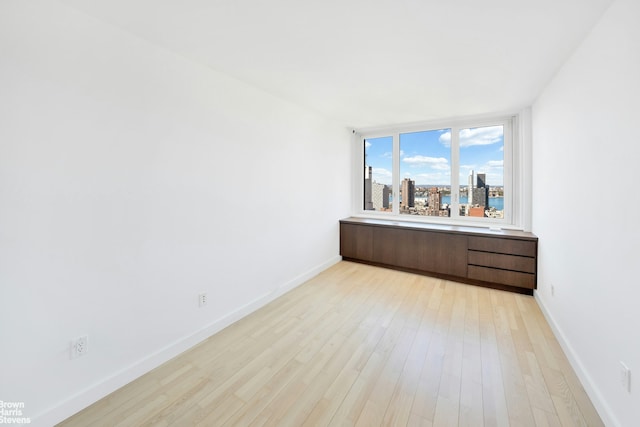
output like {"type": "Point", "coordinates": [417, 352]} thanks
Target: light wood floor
{"type": "Point", "coordinates": [360, 345]}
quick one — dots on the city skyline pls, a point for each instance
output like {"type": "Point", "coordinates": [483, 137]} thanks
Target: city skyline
{"type": "Point", "coordinates": [477, 199]}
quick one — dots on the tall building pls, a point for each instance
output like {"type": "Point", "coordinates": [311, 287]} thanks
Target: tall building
{"type": "Point", "coordinates": [434, 201]}
{"type": "Point", "coordinates": [380, 196]}
{"type": "Point", "coordinates": [481, 192]}
{"type": "Point", "coordinates": [480, 196]}
{"type": "Point", "coordinates": [408, 193]}
{"type": "Point", "coordinates": [481, 180]}
{"type": "Point", "coordinates": [477, 195]}
{"type": "Point", "coordinates": [368, 180]}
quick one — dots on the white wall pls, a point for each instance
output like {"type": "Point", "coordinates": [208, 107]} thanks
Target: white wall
{"type": "Point", "coordinates": [586, 204]}
{"type": "Point", "coordinates": [131, 180]}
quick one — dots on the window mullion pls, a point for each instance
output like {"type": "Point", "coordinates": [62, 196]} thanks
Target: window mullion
{"type": "Point", "coordinates": [508, 183]}
{"type": "Point", "coordinates": [455, 172]}
{"type": "Point", "coordinates": [396, 173]}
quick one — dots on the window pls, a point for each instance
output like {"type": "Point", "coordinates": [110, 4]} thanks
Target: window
{"type": "Point", "coordinates": [458, 173]}
{"type": "Point", "coordinates": [378, 154]}
{"type": "Point", "coordinates": [425, 171]}
{"type": "Point", "coordinates": [482, 171]}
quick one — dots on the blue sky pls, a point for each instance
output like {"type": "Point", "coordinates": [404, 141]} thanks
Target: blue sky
{"type": "Point", "coordinates": [425, 157]}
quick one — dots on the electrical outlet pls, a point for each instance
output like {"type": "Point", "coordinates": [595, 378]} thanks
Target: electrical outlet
{"type": "Point", "coordinates": [202, 300]}
{"type": "Point", "coordinates": [625, 376]}
{"type": "Point", "coordinates": [79, 347]}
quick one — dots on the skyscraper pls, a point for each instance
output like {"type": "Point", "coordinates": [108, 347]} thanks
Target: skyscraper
{"type": "Point", "coordinates": [408, 193]}
{"type": "Point", "coordinates": [434, 202]}
{"type": "Point", "coordinates": [481, 192]}
{"type": "Point", "coordinates": [380, 196]}
{"type": "Point", "coordinates": [481, 180]}
{"type": "Point", "coordinates": [477, 195]}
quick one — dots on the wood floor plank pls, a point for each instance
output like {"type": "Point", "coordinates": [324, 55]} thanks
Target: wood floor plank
{"type": "Point", "coordinates": [471, 384]}
{"type": "Point", "coordinates": [494, 403]}
{"type": "Point", "coordinates": [362, 345]}
{"type": "Point", "coordinates": [513, 379]}
{"type": "Point", "coordinates": [401, 402]}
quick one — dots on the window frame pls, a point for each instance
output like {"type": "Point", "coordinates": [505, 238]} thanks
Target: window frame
{"type": "Point", "coordinates": [516, 170]}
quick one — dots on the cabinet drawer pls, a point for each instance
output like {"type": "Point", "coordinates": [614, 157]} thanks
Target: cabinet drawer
{"type": "Point", "coordinates": [503, 246]}
{"type": "Point", "coordinates": [511, 278]}
{"type": "Point", "coordinates": [502, 261]}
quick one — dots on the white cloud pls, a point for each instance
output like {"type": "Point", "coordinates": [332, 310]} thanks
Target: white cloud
{"type": "Point", "coordinates": [427, 161]}
{"type": "Point", "coordinates": [475, 136]}
{"type": "Point", "coordinates": [432, 178]}
{"type": "Point", "coordinates": [367, 144]}
{"type": "Point", "coordinates": [382, 171]}
{"type": "Point", "coordinates": [491, 164]}
{"type": "Point", "coordinates": [445, 139]}
{"type": "Point", "coordinates": [382, 175]}
{"type": "Point", "coordinates": [441, 166]}
{"type": "Point", "coordinates": [480, 136]}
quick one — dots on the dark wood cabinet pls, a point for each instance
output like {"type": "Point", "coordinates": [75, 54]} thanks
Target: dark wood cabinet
{"type": "Point", "coordinates": [433, 252]}
{"type": "Point", "coordinates": [502, 259]}
{"type": "Point", "coordinates": [356, 241]}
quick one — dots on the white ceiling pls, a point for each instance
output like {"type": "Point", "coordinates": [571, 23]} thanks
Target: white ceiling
{"type": "Point", "coordinates": [371, 62]}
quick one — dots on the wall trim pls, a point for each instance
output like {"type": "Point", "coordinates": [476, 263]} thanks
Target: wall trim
{"type": "Point", "coordinates": [97, 391]}
{"type": "Point", "coordinates": [603, 409]}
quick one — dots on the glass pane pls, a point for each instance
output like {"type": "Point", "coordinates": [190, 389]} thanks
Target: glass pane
{"type": "Point", "coordinates": [425, 173]}
{"type": "Point", "coordinates": [378, 164]}
{"type": "Point", "coordinates": [482, 172]}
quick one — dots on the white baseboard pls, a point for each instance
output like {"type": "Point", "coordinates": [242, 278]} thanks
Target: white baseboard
{"type": "Point", "coordinates": [588, 384]}
{"type": "Point", "coordinates": [112, 383]}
